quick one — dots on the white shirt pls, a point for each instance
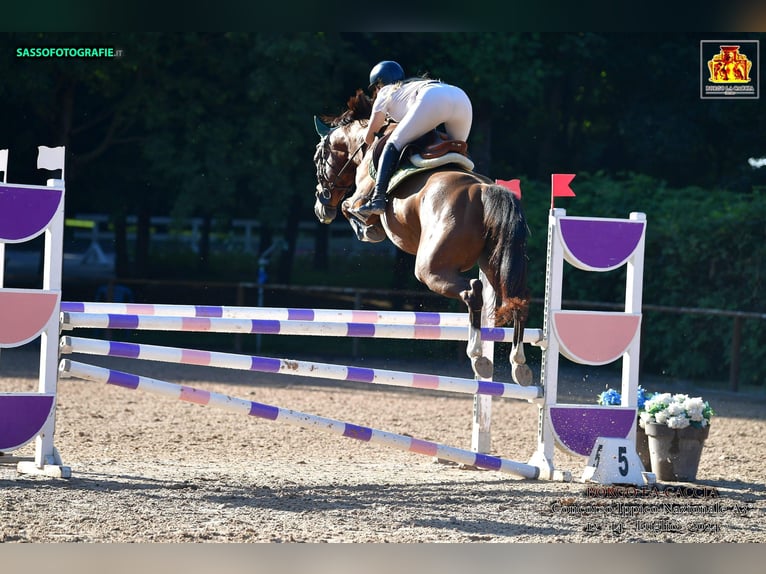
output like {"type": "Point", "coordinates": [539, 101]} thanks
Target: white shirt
{"type": "Point", "coordinates": [396, 99]}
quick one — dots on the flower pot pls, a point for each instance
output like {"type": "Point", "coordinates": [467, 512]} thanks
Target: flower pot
{"type": "Point", "coordinates": [675, 453]}
{"type": "Point", "coordinates": [642, 448]}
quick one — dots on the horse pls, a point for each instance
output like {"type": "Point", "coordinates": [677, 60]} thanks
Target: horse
{"type": "Point", "coordinates": [449, 218]}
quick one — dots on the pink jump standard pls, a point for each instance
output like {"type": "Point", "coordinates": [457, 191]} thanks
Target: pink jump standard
{"type": "Point", "coordinates": [27, 212]}
{"type": "Point", "coordinates": [593, 338]}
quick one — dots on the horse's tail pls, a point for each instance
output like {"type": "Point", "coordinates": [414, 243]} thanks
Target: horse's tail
{"type": "Point", "coordinates": [506, 252]}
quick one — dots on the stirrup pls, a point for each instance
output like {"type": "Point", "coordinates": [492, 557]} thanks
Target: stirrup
{"type": "Point", "coordinates": [372, 207]}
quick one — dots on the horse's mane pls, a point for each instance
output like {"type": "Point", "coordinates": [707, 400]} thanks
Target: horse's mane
{"type": "Point", "coordinates": [358, 107]}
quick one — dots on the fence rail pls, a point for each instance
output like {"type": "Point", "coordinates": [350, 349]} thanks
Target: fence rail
{"type": "Point", "coordinates": [240, 235]}
{"type": "Point", "coordinates": [358, 295]}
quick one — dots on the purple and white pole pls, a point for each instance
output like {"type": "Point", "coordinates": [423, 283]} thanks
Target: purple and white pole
{"type": "Point", "coordinates": [272, 313]}
{"type": "Point", "coordinates": [302, 368]}
{"type": "Point", "coordinates": [71, 320]}
{"type": "Point", "coordinates": [295, 418]}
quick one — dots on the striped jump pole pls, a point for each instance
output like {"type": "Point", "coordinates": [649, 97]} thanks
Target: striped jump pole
{"type": "Point", "coordinates": [303, 368]}
{"type": "Point", "coordinates": [273, 313]}
{"type": "Point", "coordinates": [295, 418]}
{"type": "Point", "coordinates": [275, 327]}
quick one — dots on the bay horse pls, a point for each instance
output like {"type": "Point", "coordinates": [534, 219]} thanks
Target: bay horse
{"type": "Point", "coordinates": [449, 218]}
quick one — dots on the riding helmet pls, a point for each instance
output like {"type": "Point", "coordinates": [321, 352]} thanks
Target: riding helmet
{"type": "Point", "coordinates": [386, 72]}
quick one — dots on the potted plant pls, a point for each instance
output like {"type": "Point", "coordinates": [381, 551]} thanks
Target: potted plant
{"type": "Point", "coordinates": [677, 426]}
{"type": "Point", "coordinates": [613, 397]}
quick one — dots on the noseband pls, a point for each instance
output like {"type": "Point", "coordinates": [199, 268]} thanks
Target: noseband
{"type": "Point", "coordinates": [323, 159]}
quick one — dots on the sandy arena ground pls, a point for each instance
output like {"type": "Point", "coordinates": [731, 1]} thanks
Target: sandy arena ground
{"type": "Point", "coordinates": [150, 469]}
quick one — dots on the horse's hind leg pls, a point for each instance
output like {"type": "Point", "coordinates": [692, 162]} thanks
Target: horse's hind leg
{"type": "Point", "coordinates": [520, 371]}
{"type": "Point", "coordinates": [482, 366]}
{"type": "Point", "coordinates": [474, 300]}
{"type": "Point", "coordinates": [452, 284]}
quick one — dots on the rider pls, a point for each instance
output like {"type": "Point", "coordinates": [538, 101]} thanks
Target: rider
{"type": "Point", "coordinates": [418, 105]}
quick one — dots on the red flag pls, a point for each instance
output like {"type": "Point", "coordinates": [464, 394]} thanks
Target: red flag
{"type": "Point", "coordinates": [560, 185]}
{"type": "Point", "coordinates": [513, 184]}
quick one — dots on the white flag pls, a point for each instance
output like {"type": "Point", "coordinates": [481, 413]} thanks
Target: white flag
{"type": "Point", "coordinates": [51, 158]}
{"type": "Point", "coordinates": [4, 164]}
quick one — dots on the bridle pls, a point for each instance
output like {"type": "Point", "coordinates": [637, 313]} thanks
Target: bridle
{"type": "Point", "coordinates": [322, 159]}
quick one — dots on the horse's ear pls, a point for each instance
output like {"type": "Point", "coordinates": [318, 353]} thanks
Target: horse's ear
{"type": "Point", "coordinates": [322, 128]}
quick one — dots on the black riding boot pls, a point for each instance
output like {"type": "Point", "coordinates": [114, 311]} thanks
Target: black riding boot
{"type": "Point", "coordinates": [386, 167]}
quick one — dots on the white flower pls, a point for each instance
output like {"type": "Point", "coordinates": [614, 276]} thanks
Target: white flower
{"type": "Point", "coordinates": [645, 418]}
{"type": "Point", "coordinates": [694, 408]}
{"type": "Point", "coordinates": [665, 398]}
{"type": "Point", "coordinates": [676, 411]}
{"type": "Point", "coordinates": [678, 422]}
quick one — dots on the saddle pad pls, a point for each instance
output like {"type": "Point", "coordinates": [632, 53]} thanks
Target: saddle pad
{"type": "Point", "coordinates": [419, 165]}
{"type": "Point", "coordinates": [452, 157]}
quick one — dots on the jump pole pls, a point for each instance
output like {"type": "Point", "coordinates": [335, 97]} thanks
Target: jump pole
{"type": "Point", "coordinates": [295, 418]}
{"type": "Point", "coordinates": [276, 327]}
{"type": "Point", "coordinates": [274, 313]}
{"type": "Point", "coordinates": [291, 367]}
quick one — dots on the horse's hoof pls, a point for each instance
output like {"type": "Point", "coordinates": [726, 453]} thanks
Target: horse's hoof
{"type": "Point", "coordinates": [522, 375]}
{"type": "Point", "coordinates": [482, 367]}
{"type": "Point", "coordinates": [374, 234]}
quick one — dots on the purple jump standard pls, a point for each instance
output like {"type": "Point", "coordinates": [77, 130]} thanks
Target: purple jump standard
{"type": "Point", "coordinates": [295, 418]}
{"type": "Point", "coordinates": [22, 416]}
{"type": "Point", "coordinates": [26, 211]}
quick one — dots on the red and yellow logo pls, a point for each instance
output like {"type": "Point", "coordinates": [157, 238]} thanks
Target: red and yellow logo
{"type": "Point", "coordinates": [729, 66]}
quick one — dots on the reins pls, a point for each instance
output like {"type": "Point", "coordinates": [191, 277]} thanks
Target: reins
{"type": "Point", "coordinates": [348, 161]}
{"type": "Point", "coordinates": [327, 191]}
{"type": "Point", "coordinates": [325, 196]}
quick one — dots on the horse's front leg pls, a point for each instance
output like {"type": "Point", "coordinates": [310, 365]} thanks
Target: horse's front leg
{"type": "Point", "coordinates": [474, 300]}
{"type": "Point", "coordinates": [369, 230]}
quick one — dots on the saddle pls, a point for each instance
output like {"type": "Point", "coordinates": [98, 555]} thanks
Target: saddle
{"type": "Point", "coordinates": [441, 145]}
{"type": "Point", "coordinates": [431, 150]}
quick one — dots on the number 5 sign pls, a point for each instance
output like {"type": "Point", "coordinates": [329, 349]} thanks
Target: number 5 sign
{"type": "Point", "coordinates": [614, 461]}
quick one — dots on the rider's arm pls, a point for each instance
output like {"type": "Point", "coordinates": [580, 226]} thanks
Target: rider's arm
{"type": "Point", "coordinates": [377, 120]}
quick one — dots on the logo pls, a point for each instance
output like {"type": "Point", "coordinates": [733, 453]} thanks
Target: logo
{"type": "Point", "coordinates": [729, 69]}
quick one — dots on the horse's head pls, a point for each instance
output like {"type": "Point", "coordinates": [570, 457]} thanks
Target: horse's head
{"type": "Point", "coordinates": [336, 172]}
{"type": "Point", "coordinates": [338, 154]}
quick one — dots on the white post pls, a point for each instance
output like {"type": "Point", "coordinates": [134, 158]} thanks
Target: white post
{"type": "Point", "coordinates": [4, 169]}
{"type": "Point", "coordinates": [47, 459]}
{"type": "Point", "coordinates": [481, 436]}
{"type": "Point", "coordinates": [543, 457]}
{"type": "Point", "coordinates": [633, 304]}
{"type": "Point", "coordinates": [45, 452]}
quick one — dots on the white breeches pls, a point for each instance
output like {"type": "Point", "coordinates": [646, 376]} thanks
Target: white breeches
{"type": "Point", "coordinates": [435, 104]}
